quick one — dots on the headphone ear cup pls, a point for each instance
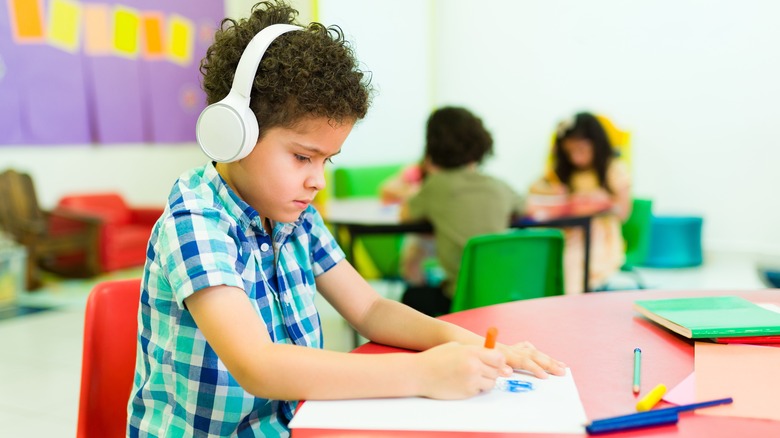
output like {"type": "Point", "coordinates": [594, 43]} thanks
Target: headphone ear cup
{"type": "Point", "coordinates": [227, 130]}
{"type": "Point", "coordinates": [252, 133]}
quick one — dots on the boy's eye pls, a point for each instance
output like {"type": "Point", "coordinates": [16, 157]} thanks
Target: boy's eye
{"type": "Point", "coordinates": [302, 158]}
{"type": "Point", "coordinates": [329, 160]}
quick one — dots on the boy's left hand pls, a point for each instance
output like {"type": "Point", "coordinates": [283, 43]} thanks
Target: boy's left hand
{"type": "Point", "coordinates": [524, 356]}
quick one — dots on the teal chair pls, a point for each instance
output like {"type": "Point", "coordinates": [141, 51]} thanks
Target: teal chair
{"type": "Point", "coordinates": [676, 242]}
{"type": "Point", "coordinates": [510, 266]}
{"type": "Point", "coordinates": [636, 232]}
{"type": "Point", "coordinates": [365, 181]}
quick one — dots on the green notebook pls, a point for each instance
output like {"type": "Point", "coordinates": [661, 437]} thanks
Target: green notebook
{"type": "Point", "coordinates": [711, 317]}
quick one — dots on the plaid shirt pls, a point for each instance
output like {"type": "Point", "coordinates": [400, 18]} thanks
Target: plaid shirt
{"type": "Point", "coordinates": [208, 236]}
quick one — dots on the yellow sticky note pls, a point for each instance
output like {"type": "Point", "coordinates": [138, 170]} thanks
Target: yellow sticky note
{"type": "Point", "coordinates": [152, 26]}
{"type": "Point", "coordinates": [126, 26]}
{"type": "Point", "coordinates": [64, 24]}
{"type": "Point", "coordinates": [97, 31]}
{"type": "Point", "coordinates": [26, 17]}
{"type": "Point", "coordinates": [182, 39]}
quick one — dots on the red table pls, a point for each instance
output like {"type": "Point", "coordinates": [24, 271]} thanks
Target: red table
{"type": "Point", "coordinates": [595, 335]}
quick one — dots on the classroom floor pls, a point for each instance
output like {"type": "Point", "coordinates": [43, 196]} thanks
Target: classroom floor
{"type": "Point", "coordinates": [41, 360]}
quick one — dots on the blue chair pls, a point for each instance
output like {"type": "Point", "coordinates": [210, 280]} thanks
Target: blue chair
{"type": "Point", "coordinates": [675, 242]}
{"type": "Point", "coordinates": [770, 276]}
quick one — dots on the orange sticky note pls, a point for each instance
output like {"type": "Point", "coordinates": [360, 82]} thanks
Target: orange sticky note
{"type": "Point", "coordinates": [747, 373]}
{"type": "Point", "coordinates": [152, 35]}
{"type": "Point", "coordinates": [26, 17]}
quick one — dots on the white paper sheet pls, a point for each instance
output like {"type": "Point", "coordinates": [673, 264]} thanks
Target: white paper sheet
{"type": "Point", "coordinates": [553, 406]}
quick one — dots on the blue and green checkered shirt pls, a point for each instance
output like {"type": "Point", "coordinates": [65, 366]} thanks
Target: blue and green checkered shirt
{"type": "Point", "coordinates": [208, 236]}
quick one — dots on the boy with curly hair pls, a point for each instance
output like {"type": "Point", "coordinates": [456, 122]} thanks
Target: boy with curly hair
{"type": "Point", "coordinates": [229, 337]}
{"type": "Point", "coordinates": [460, 201]}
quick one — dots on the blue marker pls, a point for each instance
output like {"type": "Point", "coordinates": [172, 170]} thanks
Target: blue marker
{"type": "Point", "coordinates": [614, 425]}
{"type": "Point", "coordinates": [656, 417]}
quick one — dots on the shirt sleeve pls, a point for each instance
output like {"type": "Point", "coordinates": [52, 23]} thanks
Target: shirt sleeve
{"type": "Point", "coordinates": [417, 204]}
{"type": "Point", "coordinates": [197, 250]}
{"type": "Point", "coordinates": [325, 251]}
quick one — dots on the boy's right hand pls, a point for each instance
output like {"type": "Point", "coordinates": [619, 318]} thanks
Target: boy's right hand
{"type": "Point", "coordinates": [456, 371]}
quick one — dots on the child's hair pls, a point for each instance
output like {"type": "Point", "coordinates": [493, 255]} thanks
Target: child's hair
{"type": "Point", "coordinates": [313, 73]}
{"type": "Point", "coordinates": [583, 126]}
{"type": "Point", "coordinates": [456, 137]}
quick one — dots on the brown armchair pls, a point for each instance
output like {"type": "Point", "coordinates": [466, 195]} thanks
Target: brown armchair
{"type": "Point", "coordinates": [72, 252]}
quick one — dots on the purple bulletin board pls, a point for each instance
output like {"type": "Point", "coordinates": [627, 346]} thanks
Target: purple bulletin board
{"type": "Point", "coordinates": [102, 71]}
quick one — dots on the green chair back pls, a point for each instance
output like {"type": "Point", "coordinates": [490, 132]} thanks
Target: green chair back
{"type": "Point", "coordinates": [510, 266]}
{"type": "Point", "coordinates": [365, 181]}
{"type": "Point", "coordinates": [362, 181]}
{"type": "Point", "coordinates": [636, 232]}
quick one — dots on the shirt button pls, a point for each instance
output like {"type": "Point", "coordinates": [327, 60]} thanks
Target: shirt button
{"type": "Point", "coordinates": [264, 247]}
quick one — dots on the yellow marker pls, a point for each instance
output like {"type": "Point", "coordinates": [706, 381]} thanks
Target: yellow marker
{"type": "Point", "coordinates": [651, 398]}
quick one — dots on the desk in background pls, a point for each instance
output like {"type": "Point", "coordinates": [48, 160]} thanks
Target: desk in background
{"type": "Point", "coordinates": [366, 216]}
{"type": "Point", "coordinates": [595, 335]}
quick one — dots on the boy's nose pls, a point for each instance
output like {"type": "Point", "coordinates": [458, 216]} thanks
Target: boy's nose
{"type": "Point", "coordinates": [316, 180]}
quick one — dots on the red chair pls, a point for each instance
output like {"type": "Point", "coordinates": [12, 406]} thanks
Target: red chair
{"type": "Point", "coordinates": [108, 360]}
{"type": "Point", "coordinates": [125, 230]}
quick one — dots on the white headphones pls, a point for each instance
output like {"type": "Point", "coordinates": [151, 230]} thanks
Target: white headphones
{"type": "Point", "coordinates": [228, 130]}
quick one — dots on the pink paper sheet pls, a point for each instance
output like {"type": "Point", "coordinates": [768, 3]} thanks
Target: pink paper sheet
{"type": "Point", "coordinates": [684, 393]}
{"type": "Point", "coordinates": [747, 373]}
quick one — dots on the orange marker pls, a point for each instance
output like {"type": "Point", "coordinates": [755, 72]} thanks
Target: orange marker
{"type": "Point", "coordinates": [490, 337]}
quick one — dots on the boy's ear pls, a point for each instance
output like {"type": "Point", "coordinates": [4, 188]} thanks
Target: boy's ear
{"type": "Point", "coordinates": [228, 130]}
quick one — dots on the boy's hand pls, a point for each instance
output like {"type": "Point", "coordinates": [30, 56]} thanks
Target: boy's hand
{"type": "Point", "coordinates": [456, 371]}
{"type": "Point", "coordinates": [524, 356]}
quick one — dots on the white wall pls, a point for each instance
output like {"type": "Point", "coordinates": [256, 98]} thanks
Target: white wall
{"type": "Point", "coordinates": [694, 81]}
{"type": "Point", "coordinates": [143, 174]}
{"type": "Point", "coordinates": [390, 39]}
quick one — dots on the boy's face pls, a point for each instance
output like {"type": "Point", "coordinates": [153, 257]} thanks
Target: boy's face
{"type": "Point", "coordinates": [286, 169]}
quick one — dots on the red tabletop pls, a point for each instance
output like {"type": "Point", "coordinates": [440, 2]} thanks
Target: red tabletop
{"type": "Point", "coordinates": [595, 335]}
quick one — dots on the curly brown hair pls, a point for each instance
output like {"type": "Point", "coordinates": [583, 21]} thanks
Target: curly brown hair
{"type": "Point", "coordinates": [310, 73]}
{"type": "Point", "coordinates": [456, 137]}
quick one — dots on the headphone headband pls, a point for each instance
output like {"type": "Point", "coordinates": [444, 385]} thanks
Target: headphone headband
{"type": "Point", "coordinates": [253, 54]}
{"type": "Point", "coordinates": [228, 130]}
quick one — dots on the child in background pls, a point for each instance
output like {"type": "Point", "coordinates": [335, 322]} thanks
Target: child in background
{"type": "Point", "coordinates": [457, 198]}
{"type": "Point", "coordinates": [228, 335]}
{"type": "Point", "coordinates": [401, 186]}
{"type": "Point", "coordinates": [587, 170]}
